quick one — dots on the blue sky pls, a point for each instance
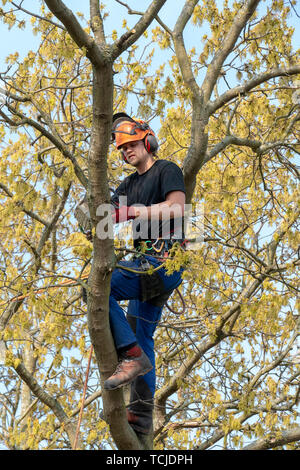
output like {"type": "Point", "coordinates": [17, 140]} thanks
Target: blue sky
{"type": "Point", "coordinates": [22, 40]}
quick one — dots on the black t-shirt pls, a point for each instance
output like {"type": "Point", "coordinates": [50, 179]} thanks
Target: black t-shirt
{"type": "Point", "coordinates": [150, 188]}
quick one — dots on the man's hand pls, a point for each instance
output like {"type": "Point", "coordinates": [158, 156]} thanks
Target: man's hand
{"type": "Point", "coordinates": [123, 213]}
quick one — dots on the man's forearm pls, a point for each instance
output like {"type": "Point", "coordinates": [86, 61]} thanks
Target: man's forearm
{"type": "Point", "coordinates": [162, 210]}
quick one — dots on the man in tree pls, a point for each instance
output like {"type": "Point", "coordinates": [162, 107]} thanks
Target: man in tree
{"type": "Point", "coordinates": [154, 197]}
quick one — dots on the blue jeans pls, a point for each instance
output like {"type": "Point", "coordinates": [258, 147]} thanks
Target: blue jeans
{"type": "Point", "coordinates": [125, 285]}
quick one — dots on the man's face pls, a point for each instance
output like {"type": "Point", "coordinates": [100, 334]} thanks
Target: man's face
{"type": "Point", "coordinates": [135, 152]}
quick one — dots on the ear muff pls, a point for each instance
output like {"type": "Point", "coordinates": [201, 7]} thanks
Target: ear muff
{"type": "Point", "coordinates": [150, 141]}
{"type": "Point", "coordinates": [151, 144]}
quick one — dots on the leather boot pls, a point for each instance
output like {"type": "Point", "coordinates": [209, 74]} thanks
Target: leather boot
{"type": "Point", "coordinates": [129, 367]}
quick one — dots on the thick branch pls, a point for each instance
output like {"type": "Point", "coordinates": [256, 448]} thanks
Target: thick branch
{"type": "Point", "coordinates": [47, 399]}
{"type": "Point", "coordinates": [181, 54]}
{"type": "Point", "coordinates": [131, 36]}
{"type": "Point", "coordinates": [231, 140]}
{"type": "Point", "coordinates": [275, 440]}
{"type": "Point", "coordinates": [197, 155]}
{"type": "Point", "coordinates": [198, 147]}
{"type": "Point", "coordinates": [97, 22]}
{"type": "Point", "coordinates": [254, 82]}
{"type": "Point", "coordinates": [230, 39]}
{"type": "Point", "coordinates": [77, 33]}
{"type": "Point", "coordinates": [257, 146]}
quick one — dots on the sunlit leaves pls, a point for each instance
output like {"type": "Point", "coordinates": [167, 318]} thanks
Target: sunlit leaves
{"type": "Point", "coordinates": [239, 287]}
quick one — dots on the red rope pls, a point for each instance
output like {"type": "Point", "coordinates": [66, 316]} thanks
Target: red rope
{"type": "Point", "coordinates": [83, 399]}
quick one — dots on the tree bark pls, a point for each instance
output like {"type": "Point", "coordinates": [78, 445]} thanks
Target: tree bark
{"type": "Point", "coordinates": [272, 441]}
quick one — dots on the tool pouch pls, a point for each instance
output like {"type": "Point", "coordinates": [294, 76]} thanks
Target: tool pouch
{"type": "Point", "coordinates": [160, 300]}
{"type": "Point", "coordinates": [152, 289]}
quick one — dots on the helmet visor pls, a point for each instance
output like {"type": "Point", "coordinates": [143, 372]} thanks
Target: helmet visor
{"type": "Point", "coordinates": [126, 131]}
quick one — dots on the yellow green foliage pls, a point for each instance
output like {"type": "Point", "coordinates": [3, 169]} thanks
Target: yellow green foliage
{"type": "Point", "coordinates": [223, 357]}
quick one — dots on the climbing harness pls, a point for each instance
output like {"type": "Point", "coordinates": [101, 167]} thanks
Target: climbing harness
{"type": "Point", "coordinates": [152, 286]}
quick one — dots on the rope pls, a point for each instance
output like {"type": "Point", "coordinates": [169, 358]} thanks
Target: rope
{"type": "Point", "coordinates": [183, 304]}
{"type": "Point", "coordinates": [83, 399]}
{"type": "Point", "coordinates": [71, 282]}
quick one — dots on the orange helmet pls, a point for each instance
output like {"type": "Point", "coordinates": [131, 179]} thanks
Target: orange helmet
{"type": "Point", "coordinates": [125, 129]}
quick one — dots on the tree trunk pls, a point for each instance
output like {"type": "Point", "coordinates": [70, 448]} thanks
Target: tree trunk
{"type": "Point", "coordinates": [104, 258]}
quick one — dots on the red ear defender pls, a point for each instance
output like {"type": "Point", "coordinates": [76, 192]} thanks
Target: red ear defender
{"type": "Point", "coordinates": [151, 143]}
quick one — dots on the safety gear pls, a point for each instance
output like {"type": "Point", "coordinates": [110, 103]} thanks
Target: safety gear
{"type": "Point", "coordinates": [125, 129]}
{"type": "Point", "coordinates": [151, 285]}
{"type": "Point", "coordinates": [140, 408]}
{"type": "Point", "coordinates": [160, 247]}
{"type": "Point", "coordinates": [129, 367]}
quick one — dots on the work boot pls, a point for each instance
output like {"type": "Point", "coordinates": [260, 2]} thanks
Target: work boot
{"type": "Point", "coordinates": [132, 364]}
{"type": "Point", "coordinates": [141, 424]}
{"type": "Point", "coordinates": [138, 423]}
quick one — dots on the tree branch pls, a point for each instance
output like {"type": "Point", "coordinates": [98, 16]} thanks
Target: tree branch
{"type": "Point", "coordinates": [254, 82]}
{"type": "Point", "coordinates": [47, 399]}
{"type": "Point", "coordinates": [257, 146]}
{"type": "Point", "coordinates": [182, 57]}
{"type": "Point", "coordinates": [131, 36]}
{"type": "Point", "coordinates": [38, 16]}
{"type": "Point", "coordinates": [77, 33]}
{"type": "Point", "coordinates": [231, 140]}
{"type": "Point", "coordinates": [97, 22]}
{"type": "Point", "coordinates": [140, 13]}
{"type": "Point", "coordinates": [214, 68]}
{"type": "Point", "coordinates": [31, 214]}
{"type": "Point", "coordinates": [173, 384]}
{"type": "Point", "coordinates": [275, 439]}
{"type": "Point", "coordinates": [48, 229]}
{"type": "Point", "coordinates": [55, 139]}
